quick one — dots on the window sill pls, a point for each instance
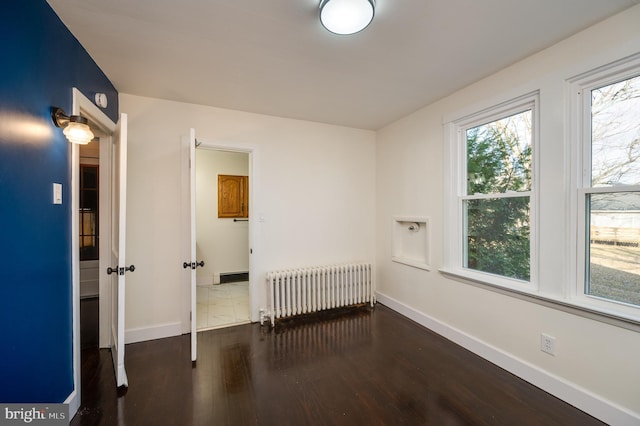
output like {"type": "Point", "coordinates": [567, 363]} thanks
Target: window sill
{"type": "Point", "coordinates": [573, 307]}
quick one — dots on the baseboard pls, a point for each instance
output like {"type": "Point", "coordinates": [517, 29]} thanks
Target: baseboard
{"type": "Point", "coordinates": [569, 392]}
{"type": "Point", "coordinates": [161, 331]}
{"type": "Point", "coordinates": [73, 401]}
{"type": "Point", "coordinates": [89, 289]}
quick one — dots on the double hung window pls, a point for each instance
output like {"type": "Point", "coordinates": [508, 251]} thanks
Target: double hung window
{"type": "Point", "coordinates": [493, 180]}
{"type": "Point", "coordinates": [88, 216]}
{"type": "Point", "coordinates": [491, 175]}
{"type": "Point", "coordinates": [608, 193]}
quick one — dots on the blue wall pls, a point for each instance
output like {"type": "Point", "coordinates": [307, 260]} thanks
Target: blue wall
{"type": "Point", "coordinates": [41, 62]}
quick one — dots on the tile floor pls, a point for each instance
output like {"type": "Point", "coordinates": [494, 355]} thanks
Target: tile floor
{"type": "Point", "coordinates": [222, 305]}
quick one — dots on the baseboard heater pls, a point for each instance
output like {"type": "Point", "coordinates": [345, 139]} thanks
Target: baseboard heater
{"type": "Point", "coordinates": [233, 277]}
{"type": "Point", "coordinates": [307, 290]}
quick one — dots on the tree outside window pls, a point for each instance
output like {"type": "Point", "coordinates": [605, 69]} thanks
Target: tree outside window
{"type": "Point", "coordinates": [497, 205]}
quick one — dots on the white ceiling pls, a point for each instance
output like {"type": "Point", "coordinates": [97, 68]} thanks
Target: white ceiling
{"type": "Point", "coordinates": [274, 57]}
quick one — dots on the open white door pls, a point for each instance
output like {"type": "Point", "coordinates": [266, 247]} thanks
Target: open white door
{"type": "Point", "coordinates": [189, 234]}
{"type": "Point", "coordinates": [194, 262]}
{"type": "Point", "coordinates": [118, 246]}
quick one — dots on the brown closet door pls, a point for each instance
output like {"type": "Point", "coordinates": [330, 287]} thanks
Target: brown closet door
{"type": "Point", "coordinates": [233, 196]}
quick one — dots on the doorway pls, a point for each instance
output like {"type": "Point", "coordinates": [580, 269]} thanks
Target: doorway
{"type": "Point", "coordinates": [222, 241]}
{"type": "Point", "coordinates": [103, 127]}
{"type": "Point", "coordinates": [89, 243]}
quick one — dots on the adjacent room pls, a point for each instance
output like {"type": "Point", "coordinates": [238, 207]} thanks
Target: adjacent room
{"type": "Point", "coordinates": [247, 212]}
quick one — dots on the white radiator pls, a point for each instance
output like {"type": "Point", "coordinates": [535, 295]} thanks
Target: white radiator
{"type": "Point", "coordinates": [306, 290]}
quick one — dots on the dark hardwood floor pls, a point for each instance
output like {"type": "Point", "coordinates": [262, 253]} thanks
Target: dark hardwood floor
{"type": "Point", "coordinates": [363, 368]}
{"type": "Point", "coordinates": [89, 323]}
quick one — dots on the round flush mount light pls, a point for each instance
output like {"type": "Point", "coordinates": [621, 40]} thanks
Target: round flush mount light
{"type": "Point", "coordinates": [346, 16]}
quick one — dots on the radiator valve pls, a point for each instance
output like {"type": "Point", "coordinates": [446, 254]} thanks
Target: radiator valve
{"type": "Point", "coordinates": [264, 315]}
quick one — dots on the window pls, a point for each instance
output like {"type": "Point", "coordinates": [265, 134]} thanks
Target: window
{"type": "Point", "coordinates": [88, 216]}
{"type": "Point", "coordinates": [492, 186]}
{"type": "Point", "coordinates": [589, 186]}
{"type": "Point", "coordinates": [608, 200]}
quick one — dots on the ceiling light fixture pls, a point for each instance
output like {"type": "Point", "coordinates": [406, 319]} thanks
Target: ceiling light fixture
{"type": "Point", "coordinates": [346, 16]}
{"type": "Point", "coordinates": [76, 128]}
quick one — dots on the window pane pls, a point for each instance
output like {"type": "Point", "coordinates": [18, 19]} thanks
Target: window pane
{"type": "Point", "coordinates": [89, 200]}
{"type": "Point", "coordinates": [88, 214]}
{"type": "Point", "coordinates": [615, 134]}
{"type": "Point", "coordinates": [613, 253]}
{"type": "Point", "coordinates": [499, 155]}
{"type": "Point", "coordinates": [497, 236]}
{"type": "Point", "coordinates": [89, 176]}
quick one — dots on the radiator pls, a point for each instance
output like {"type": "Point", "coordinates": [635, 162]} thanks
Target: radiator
{"type": "Point", "coordinates": [307, 290]}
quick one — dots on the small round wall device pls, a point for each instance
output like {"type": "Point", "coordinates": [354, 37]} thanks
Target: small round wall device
{"type": "Point", "coordinates": [101, 100]}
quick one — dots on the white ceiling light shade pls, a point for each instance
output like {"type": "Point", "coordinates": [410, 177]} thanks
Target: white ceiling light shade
{"type": "Point", "coordinates": [346, 16]}
{"type": "Point", "coordinates": [78, 131]}
{"type": "Point", "coordinates": [76, 128]}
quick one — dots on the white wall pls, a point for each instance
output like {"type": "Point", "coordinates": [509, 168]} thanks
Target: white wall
{"type": "Point", "coordinates": [221, 243]}
{"type": "Point", "coordinates": [313, 186]}
{"type": "Point", "coordinates": [597, 365]}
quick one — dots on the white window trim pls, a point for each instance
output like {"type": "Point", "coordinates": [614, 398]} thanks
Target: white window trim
{"type": "Point", "coordinates": [567, 294]}
{"type": "Point", "coordinates": [455, 184]}
{"type": "Point", "coordinates": [579, 158]}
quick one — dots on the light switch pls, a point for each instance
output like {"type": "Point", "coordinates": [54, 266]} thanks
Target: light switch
{"type": "Point", "coordinates": [57, 193]}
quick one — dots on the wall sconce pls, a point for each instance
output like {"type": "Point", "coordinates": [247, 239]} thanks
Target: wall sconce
{"type": "Point", "coordinates": [346, 16]}
{"type": "Point", "coordinates": [76, 127]}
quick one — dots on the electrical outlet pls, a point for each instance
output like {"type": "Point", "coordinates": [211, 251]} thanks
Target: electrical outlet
{"type": "Point", "coordinates": [548, 344]}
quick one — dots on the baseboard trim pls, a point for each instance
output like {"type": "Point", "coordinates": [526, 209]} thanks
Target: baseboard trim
{"type": "Point", "coordinates": [73, 401]}
{"type": "Point", "coordinates": [569, 392]}
{"type": "Point", "coordinates": [135, 335]}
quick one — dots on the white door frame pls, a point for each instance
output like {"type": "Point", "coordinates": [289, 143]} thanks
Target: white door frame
{"type": "Point", "coordinates": [254, 218]}
{"type": "Point", "coordinates": [83, 106]}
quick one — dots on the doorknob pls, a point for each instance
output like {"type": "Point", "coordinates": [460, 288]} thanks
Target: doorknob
{"type": "Point", "coordinates": [120, 271]}
{"type": "Point", "coordinates": [193, 265]}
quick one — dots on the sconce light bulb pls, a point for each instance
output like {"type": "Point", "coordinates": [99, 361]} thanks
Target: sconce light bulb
{"type": "Point", "coordinates": [78, 133]}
